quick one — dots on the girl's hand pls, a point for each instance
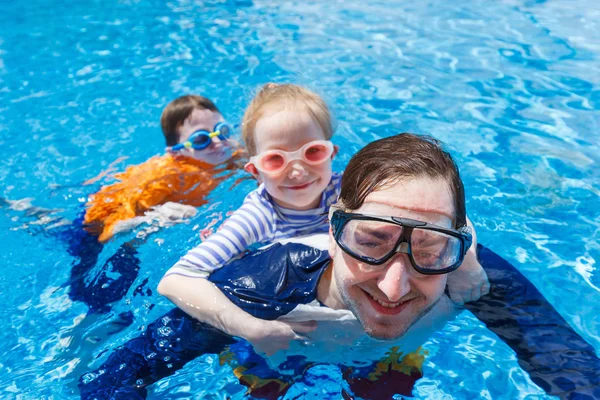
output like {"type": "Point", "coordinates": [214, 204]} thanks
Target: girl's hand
{"type": "Point", "coordinates": [268, 337]}
{"type": "Point", "coordinates": [469, 282]}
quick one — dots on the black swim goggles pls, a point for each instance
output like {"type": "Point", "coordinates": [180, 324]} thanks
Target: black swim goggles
{"type": "Point", "coordinates": [373, 239]}
{"type": "Point", "coordinates": [201, 139]}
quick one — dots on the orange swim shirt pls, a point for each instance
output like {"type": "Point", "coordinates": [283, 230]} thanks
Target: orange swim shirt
{"type": "Point", "coordinates": [159, 180]}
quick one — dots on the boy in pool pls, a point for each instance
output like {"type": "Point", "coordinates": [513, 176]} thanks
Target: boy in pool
{"type": "Point", "coordinates": [287, 130]}
{"type": "Point", "coordinates": [165, 189]}
{"type": "Point", "coordinates": [197, 137]}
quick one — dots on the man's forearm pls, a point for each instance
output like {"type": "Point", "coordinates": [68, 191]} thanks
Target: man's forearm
{"type": "Point", "coordinates": [202, 300]}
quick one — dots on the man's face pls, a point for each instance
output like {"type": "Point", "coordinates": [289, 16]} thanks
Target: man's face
{"type": "Point", "coordinates": [219, 150]}
{"type": "Point", "coordinates": [387, 302]}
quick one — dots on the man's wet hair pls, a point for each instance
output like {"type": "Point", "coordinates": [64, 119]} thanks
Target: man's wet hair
{"type": "Point", "coordinates": [399, 158]}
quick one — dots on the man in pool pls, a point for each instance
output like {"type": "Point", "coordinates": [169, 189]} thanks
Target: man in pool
{"type": "Point", "coordinates": [384, 294]}
{"type": "Point", "coordinates": [397, 231]}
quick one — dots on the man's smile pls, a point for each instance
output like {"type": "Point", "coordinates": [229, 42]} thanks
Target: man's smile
{"type": "Point", "coordinates": [385, 307]}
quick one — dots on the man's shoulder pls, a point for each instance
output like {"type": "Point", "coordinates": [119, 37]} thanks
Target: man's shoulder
{"type": "Point", "coordinates": [273, 261]}
{"type": "Point", "coordinates": [272, 281]}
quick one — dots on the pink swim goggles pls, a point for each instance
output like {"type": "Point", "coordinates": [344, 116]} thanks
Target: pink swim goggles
{"type": "Point", "coordinates": [275, 161]}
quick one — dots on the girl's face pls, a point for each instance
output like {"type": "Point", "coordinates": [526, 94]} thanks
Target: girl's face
{"type": "Point", "coordinates": [219, 150]}
{"type": "Point", "coordinates": [298, 186]}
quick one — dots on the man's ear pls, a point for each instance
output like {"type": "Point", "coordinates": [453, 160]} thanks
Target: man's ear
{"type": "Point", "coordinates": [332, 244]}
{"type": "Point", "coordinates": [336, 149]}
{"type": "Point", "coordinates": [251, 169]}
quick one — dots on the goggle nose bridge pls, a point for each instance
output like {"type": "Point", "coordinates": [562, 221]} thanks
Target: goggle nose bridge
{"type": "Point", "coordinates": [292, 156]}
{"type": "Point", "coordinates": [402, 247]}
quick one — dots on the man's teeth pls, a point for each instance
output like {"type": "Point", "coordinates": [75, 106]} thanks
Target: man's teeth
{"type": "Point", "coordinates": [386, 304]}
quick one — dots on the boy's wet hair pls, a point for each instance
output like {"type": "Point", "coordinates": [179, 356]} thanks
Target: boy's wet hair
{"type": "Point", "coordinates": [275, 97]}
{"type": "Point", "coordinates": [398, 158]}
{"type": "Point", "coordinates": [176, 112]}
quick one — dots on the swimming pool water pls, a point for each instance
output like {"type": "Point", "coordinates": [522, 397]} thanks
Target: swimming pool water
{"type": "Point", "coordinates": [513, 87]}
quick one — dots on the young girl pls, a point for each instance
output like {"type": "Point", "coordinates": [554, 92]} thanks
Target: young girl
{"type": "Point", "coordinates": [287, 130]}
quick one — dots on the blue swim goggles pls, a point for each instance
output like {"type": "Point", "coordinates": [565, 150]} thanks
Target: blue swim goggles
{"type": "Point", "coordinates": [201, 139]}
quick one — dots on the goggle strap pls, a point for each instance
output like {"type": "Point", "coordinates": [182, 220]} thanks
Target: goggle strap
{"type": "Point", "coordinates": [333, 209]}
{"type": "Point", "coordinates": [468, 240]}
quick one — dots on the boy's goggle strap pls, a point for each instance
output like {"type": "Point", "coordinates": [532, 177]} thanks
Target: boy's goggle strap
{"type": "Point", "coordinates": [374, 240]}
{"type": "Point", "coordinates": [201, 139]}
{"type": "Point", "coordinates": [274, 161]}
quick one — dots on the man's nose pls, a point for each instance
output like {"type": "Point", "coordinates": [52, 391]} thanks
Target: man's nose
{"type": "Point", "coordinates": [296, 170]}
{"type": "Point", "coordinates": [394, 280]}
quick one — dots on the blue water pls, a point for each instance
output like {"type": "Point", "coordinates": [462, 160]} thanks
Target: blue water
{"type": "Point", "coordinates": [513, 87]}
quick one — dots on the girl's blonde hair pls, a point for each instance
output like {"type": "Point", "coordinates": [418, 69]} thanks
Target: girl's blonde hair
{"type": "Point", "coordinates": [275, 97]}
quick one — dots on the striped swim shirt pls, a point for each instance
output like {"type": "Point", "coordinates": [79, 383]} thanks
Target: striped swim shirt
{"type": "Point", "coordinates": [258, 220]}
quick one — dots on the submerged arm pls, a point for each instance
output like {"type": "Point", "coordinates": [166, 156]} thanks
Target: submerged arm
{"type": "Point", "coordinates": [556, 357]}
{"type": "Point", "coordinates": [164, 347]}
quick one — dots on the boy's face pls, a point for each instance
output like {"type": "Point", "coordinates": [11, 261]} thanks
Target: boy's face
{"type": "Point", "coordinates": [298, 186]}
{"type": "Point", "coordinates": [219, 150]}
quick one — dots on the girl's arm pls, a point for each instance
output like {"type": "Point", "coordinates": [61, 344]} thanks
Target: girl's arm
{"type": "Point", "coordinates": [202, 300]}
{"type": "Point", "coordinates": [251, 223]}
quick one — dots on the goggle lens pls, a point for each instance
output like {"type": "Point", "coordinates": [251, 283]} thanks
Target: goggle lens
{"type": "Point", "coordinates": [200, 139]}
{"type": "Point", "coordinates": [372, 240]}
{"type": "Point", "coordinates": [316, 153]}
{"type": "Point", "coordinates": [272, 162]}
{"type": "Point", "coordinates": [223, 129]}
{"type": "Point", "coordinates": [433, 250]}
